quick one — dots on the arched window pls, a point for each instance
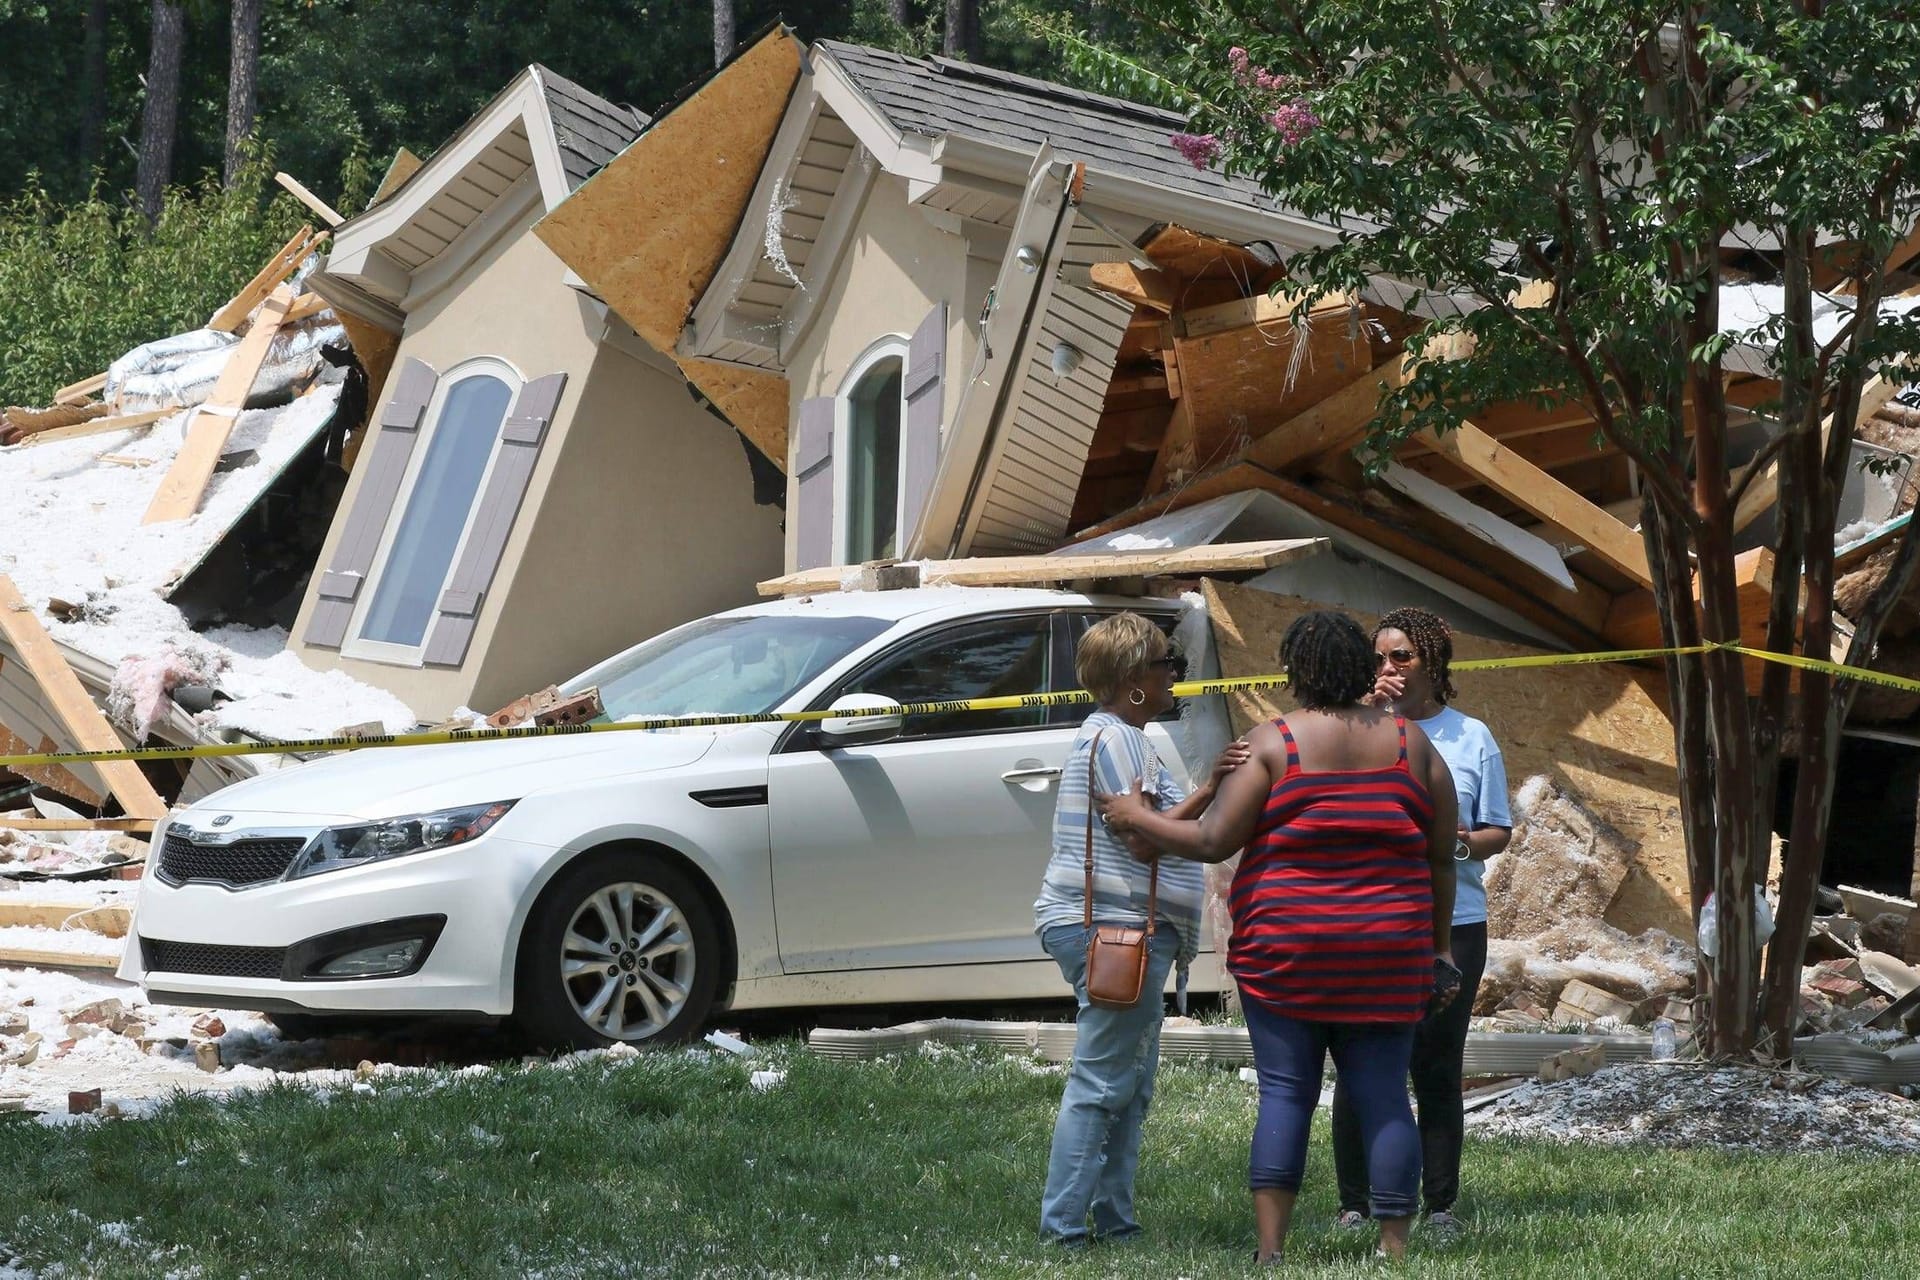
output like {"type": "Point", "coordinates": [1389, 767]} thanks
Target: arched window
{"type": "Point", "coordinates": [871, 410]}
{"type": "Point", "coordinates": [435, 509]}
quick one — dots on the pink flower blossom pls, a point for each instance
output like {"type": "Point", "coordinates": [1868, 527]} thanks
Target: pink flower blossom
{"type": "Point", "coordinates": [1200, 149]}
{"type": "Point", "coordinates": [1237, 59]}
{"type": "Point", "coordinates": [1294, 121]}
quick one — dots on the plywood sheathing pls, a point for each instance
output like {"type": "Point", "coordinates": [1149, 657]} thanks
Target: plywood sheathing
{"type": "Point", "coordinates": [70, 703]}
{"type": "Point", "coordinates": [1595, 732]}
{"type": "Point", "coordinates": [375, 349]}
{"type": "Point", "coordinates": [405, 165]}
{"type": "Point", "coordinates": [754, 400]}
{"type": "Point", "coordinates": [648, 232]}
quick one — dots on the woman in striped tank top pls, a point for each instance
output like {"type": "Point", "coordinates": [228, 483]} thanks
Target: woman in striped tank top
{"type": "Point", "coordinates": [1342, 912]}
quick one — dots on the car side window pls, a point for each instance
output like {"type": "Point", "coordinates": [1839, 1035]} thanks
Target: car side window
{"type": "Point", "coordinates": [1078, 628]}
{"type": "Point", "coordinates": [1002, 657]}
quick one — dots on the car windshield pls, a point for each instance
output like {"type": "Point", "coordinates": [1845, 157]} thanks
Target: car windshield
{"type": "Point", "coordinates": [725, 666]}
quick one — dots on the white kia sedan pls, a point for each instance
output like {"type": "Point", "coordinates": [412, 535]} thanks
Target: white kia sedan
{"type": "Point", "coordinates": [625, 886]}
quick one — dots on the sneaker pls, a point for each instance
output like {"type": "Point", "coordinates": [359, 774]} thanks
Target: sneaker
{"type": "Point", "coordinates": [1445, 1227]}
{"type": "Point", "coordinates": [1350, 1220]}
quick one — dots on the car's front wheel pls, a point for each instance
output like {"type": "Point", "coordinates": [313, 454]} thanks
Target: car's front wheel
{"type": "Point", "coordinates": [621, 948]}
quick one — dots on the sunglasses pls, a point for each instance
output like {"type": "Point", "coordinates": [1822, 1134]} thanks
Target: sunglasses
{"type": "Point", "coordinates": [1399, 657]}
{"type": "Point", "coordinates": [1175, 662]}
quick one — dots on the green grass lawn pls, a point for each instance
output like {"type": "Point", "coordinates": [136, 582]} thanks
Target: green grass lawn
{"type": "Point", "coordinates": [923, 1165]}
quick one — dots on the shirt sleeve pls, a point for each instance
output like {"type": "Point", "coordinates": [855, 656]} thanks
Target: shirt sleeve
{"type": "Point", "coordinates": [1491, 811]}
{"type": "Point", "coordinates": [1122, 759]}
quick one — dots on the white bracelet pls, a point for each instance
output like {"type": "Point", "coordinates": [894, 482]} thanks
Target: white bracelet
{"type": "Point", "coordinates": [1462, 851]}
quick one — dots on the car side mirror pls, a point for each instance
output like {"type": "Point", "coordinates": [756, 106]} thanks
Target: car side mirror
{"type": "Point", "coordinates": [883, 724]}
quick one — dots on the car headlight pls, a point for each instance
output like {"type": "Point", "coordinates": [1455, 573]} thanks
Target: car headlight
{"type": "Point", "coordinates": [354, 846]}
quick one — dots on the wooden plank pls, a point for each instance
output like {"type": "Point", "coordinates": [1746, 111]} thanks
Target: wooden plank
{"type": "Point", "coordinates": [1765, 488]}
{"type": "Point", "coordinates": [1158, 290]}
{"type": "Point", "coordinates": [305, 307]}
{"type": "Point", "coordinates": [81, 391]}
{"type": "Point", "coordinates": [230, 317]}
{"type": "Point", "coordinates": [135, 825]}
{"type": "Point", "coordinates": [1006, 571]}
{"type": "Point", "coordinates": [405, 165]}
{"type": "Point", "coordinates": [98, 426]}
{"type": "Point", "coordinates": [69, 701]}
{"type": "Point", "coordinates": [1264, 310]}
{"type": "Point", "coordinates": [1534, 490]}
{"type": "Point", "coordinates": [52, 915]}
{"type": "Point", "coordinates": [30, 958]}
{"type": "Point", "coordinates": [211, 424]}
{"type": "Point", "coordinates": [326, 212]}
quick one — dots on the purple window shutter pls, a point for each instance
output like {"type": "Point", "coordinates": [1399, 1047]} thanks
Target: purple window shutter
{"type": "Point", "coordinates": [813, 469]}
{"type": "Point", "coordinates": [520, 438]}
{"type": "Point", "coordinates": [385, 463]}
{"type": "Point", "coordinates": [920, 427]}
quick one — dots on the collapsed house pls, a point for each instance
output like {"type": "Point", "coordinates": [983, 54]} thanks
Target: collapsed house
{"type": "Point", "coordinates": [975, 315]}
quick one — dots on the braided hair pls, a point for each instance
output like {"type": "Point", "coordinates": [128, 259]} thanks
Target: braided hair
{"type": "Point", "coordinates": [1328, 659]}
{"type": "Point", "coordinates": [1432, 639]}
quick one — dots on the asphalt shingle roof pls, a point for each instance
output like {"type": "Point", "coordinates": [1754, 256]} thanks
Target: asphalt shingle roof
{"type": "Point", "coordinates": [938, 96]}
{"type": "Point", "coordinates": [590, 130]}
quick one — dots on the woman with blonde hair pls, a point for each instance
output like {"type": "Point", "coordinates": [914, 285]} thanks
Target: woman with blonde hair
{"type": "Point", "coordinates": [1125, 663]}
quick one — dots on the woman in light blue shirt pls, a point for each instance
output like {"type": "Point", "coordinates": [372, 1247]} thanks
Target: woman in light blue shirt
{"type": "Point", "coordinates": [1414, 649]}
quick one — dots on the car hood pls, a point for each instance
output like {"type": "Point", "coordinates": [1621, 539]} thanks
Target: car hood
{"type": "Point", "coordinates": [386, 782]}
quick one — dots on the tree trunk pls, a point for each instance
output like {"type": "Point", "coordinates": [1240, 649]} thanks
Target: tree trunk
{"type": "Point", "coordinates": [243, 74]}
{"type": "Point", "coordinates": [93, 87]}
{"type": "Point", "coordinates": [161, 116]}
{"type": "Point", "coordinates": [962, 38]}
{"type": "Point", "coordinates": [722, 31]}
{"type": "Point", "coordinates": [897, 10]}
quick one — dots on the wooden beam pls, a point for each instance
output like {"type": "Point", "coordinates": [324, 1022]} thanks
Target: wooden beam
{"type": "Point", "coordinates": [69, 701]}
{"type": "Point", "coordinates": [30, 958]}
{"type": "Point", "coordinates": [1264, 309]}
{"type": "Point", "coordinates": [1155, 289]}
{"type": "Point", "coordinates": [211, 424]}
{"type": "Point", "coordinates": [81, 391]}
{"type": "Point", "coordinates": [230, 317]}
{"type": "Point", "coordinates": [1333, 424]}
{"type": "Point", "coordinates": [1006, 571]}
{"type": "Point", "coordinates": [324, 211]}
{"type": "Point", "coordinates": [305, 307]}
{"type": "Point", "coordinates": [134, 825]}
{"type": "Point", "coordinates": [52, 915]}
{"type": "Point", "coordinates": [1534, 490]}
{"type": "Point", "coordinates": [1765, 488]}
{"type": "Point", "coordinates": [98, 426]}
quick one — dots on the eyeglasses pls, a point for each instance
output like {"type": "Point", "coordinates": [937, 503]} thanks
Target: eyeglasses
{"type": "Point", "coordinates": [1399, 657]}
{"type": "Point", "coordinates": [1174, 662]}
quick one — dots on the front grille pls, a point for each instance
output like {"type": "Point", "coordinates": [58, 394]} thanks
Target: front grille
{"type": "Point", "coordinates": [242, 863]}
{"type": "Point", "coordinates": [208, 958]}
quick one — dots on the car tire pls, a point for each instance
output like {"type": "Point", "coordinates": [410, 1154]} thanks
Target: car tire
{"type": "Point", "coordinates": [579, 986]}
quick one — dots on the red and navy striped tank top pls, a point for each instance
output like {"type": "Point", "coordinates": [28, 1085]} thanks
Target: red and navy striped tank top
{"type": "Point", "coordinates": [1332, 904]}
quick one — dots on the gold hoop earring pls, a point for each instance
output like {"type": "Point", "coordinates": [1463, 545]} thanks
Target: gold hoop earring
{"type": "Point", "coordinates": [1138, 698]}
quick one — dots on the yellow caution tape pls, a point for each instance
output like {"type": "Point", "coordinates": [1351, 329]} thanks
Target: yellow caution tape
{"type": "Point", "coordinates": [1015, 702]}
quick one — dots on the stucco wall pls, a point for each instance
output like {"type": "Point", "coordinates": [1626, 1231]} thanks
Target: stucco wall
{"type": "Point", "coordinates": [896, 268]}
{"type": "Point", "coordinates": [650, 523]}
{"type": "Point", "coordinates": [510, 302]}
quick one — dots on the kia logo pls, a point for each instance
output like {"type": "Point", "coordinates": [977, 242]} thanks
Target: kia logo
{"type": "Point", "coordinates": [223, 820]}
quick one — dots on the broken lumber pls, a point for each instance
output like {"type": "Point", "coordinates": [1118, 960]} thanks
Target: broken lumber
{"type": "Point", "coordinates": [1573, 1063]}
{"type": "Point", "coordinates": [211, 423]}
{"type": "Point", "coordinates": [1151, 288]}
{"type": "Point", "coordinates": [230, 317]}
{"type": "Point", "coordinates": [298, 190]}
{"type": "Point", "coordinates": [1265, 309]}
{"type": "Point", "coordinates": [305, 307]}
{"type": "Point", "coordinates": [18, 422]}
{"type": "Point", "coordinates": [69, 701]}
{"type": "Point", "coordinates": [1765, 487]}
{"type": "Point", "coordinates": [99, 426]}
{"type": "Point", "coordinates": [1507, 473]}
{"type": "Point", "coordinates": [1006, 571]}
{"type": "Point", "coordinates": [33, 958]}
{"type": "Point", "coordinates": [108, 921]}
{"type": "Point", "coordinates": [136, 825]}
{"type": "Point", "coordinates": [81, 391]}
{"type": "Point", "coordinates": [1334, 423]}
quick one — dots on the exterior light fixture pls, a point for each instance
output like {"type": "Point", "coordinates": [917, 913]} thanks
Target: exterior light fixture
{"type": "Point", "coordinates": [1066, 358]}
{"type": "Point", "coordinates": [1029, 258]}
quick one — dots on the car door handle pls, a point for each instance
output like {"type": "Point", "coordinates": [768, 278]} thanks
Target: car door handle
{"type": "Point", "coordinates": [1022, 775]}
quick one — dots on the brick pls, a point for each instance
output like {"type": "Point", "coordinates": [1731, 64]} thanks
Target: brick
{"type": "Point", "coordinates": [83, 1102]}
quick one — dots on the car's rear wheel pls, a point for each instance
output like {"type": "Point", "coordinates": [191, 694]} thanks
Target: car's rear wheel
{"type": "Point", "coordinates": [621, 948]}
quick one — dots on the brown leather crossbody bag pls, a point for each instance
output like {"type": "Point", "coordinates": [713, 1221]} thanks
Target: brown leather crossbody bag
{"type": "Point", "coordinates": [1116, 953]}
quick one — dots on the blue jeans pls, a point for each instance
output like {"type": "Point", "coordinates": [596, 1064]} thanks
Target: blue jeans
{"type": "Point", "coordinates": [1289, 1055]}
{"type": "Point", "coordinates": [1096, 1139]}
